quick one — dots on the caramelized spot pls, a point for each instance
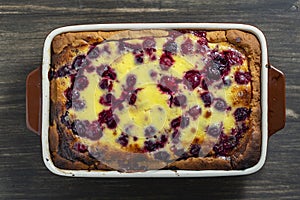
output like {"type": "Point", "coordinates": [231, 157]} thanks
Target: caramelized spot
{"type": "Point", "coordinates": [207, 114]}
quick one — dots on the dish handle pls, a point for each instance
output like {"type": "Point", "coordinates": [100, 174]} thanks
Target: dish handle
{"type": "Point", "coordinates": [33, 100]}
{"type": "Point", "coordinates": [276, 100]}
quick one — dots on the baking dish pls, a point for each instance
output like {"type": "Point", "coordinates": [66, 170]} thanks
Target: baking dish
{"type": "Point", "coordinates": [272, 100]}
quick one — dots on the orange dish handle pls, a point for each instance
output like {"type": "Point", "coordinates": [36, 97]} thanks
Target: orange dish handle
{"type": "Point", "coordinates": [276, 100]}
{"type": "Point", "coordinates": [33, 100]}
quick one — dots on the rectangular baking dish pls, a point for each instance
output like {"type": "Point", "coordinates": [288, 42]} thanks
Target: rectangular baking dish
{"type": "Point", "coordinates": [272, 100]}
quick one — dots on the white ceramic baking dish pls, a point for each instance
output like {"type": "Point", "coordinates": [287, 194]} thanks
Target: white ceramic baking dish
{"type": "Point", "coordinates": [272, 100]}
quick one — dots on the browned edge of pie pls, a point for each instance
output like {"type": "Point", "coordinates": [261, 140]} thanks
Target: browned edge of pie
{"type": "Point", "coordinates": [66, 46]}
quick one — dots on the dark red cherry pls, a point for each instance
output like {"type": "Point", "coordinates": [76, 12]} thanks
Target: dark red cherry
{"type": "Point", "coordinates": [150, 146]}
{"type": "Point", "coordinates": [242, 77]}
{"type": "Point", "coordinates": [192, 79]}
{"type": "Point", "coordinates": [132, 99]}
{"type": "Point", "coordinates": [104, 84]}
{"type": "Point", "coordinates": [107, 99]}
{"type": "Point", "coordinates": [241, 114]}
{"type": "Point", "coordinates": [176, 122]}
{"type": "Point", "coordinates": [207, 98]}
{"type": "Point", "coordinates": [109, 73]}
{"type": "Point", "coordinates": [166, 61]}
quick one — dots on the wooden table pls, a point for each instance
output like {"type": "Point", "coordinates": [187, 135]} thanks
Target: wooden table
{"type": "Point", "coordinates": [23, 28]}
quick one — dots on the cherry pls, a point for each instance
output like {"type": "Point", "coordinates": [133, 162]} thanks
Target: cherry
{"type": "Point", "coordinates": [170, 47]}
{"type": "Point", "coordinates": [213, 130]}
{"type": "Point", "coordinates": [195, 150]}
{"type": "Point", "coordinates": [185, 121]}
{"type": "Point", "coordinates": [104, 84]}
{"type": "Point", "coordinates": [80, 62]}
{"type": "Point", "coordinates": [81, 82]}
{"type": "Point", "coordinates": [169, 84]}
{"type": "Point", "coordinates": [107, 99]}
{"type": "Point", "coordinates": [149, 43]}
{"type": "Point", "coordinates": [78, 104]}
{"type": "Point", "coordinates": [207, 98]}
{"type": "Point", "coordinates": [195, 111]}
{"type": "Point", "coordinates": [131, 80]}
{"type": "Point", "coordinates": [192, 79]}
{"type": "Point", "coordinates": [220, 104]}
{"type": "Point", "coordinates": [179, 100]}
{"type": "Point", "coordinates": [132, 99]}
{"type": "Point", "coordinates": [187, 46]}
{"type": "Point", "coordinates": [93, 53]}
{"type": "Point", "coordinates": [94, 131]}
{"type": "Point", "coordinates": [176, 122]}
{"type": "Point", "coordinates": [166, 61]}
{"type": "Point", "coordinates": [150, 131]}
{"type": "Point", "coordinates": [242, 77]}
{"type": "Point", "coordinates": [241, 114]}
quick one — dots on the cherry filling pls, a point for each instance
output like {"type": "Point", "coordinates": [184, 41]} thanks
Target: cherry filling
{"type": "Point", "coordinates": [153, 145]}
{"type": "Point", "coordinates": [80, 62]}
{"type": "Point", "coordinates": [187, 47]}
{"type": "Point", "coordinates": [139, 56]}
{"type": "Point", "coordinates": [107, 99]}
{"type": "Point", "coordinates": [123, 139]}
{"type": "Point", "coordinates": [81, 82]}
{"type": "Point", "coordinates": [107, 117]}
{"type": "Point", "coordinates": [241, 114]}
{"type": "Point", "coordinates": [195, 112]}
{"type": "Point", "coordinates": [131, 80]}
{"type": "Point", "coordinates": [207, 98]}
{"type": "Point", "coordinates": [166, 60]}
{"type": "Point", "coordinates": [170, 47]}
{"type": "Point", "coordinates": [220, 104]}
{"type": "Point", "coordinates": [179, 100]}
{"type": "Point", "coordinates": [169, 84]}
{"type": "Point", "coordinates": [192, 79]}
{"type": "Point", "coordinates": [242, 77]}
{"type": "Point", "coordinates": [195, 150]}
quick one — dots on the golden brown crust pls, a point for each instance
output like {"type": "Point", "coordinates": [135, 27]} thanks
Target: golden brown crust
{"type": "Point", "coordinates": [69, 45]}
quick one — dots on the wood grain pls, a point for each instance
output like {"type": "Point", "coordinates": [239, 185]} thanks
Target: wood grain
{"type": "Point", "coordinates": [23, 27]}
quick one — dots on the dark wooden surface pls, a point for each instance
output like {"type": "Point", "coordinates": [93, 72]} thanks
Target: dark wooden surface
{"type": "Point", "coordinates": [24, 25]}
